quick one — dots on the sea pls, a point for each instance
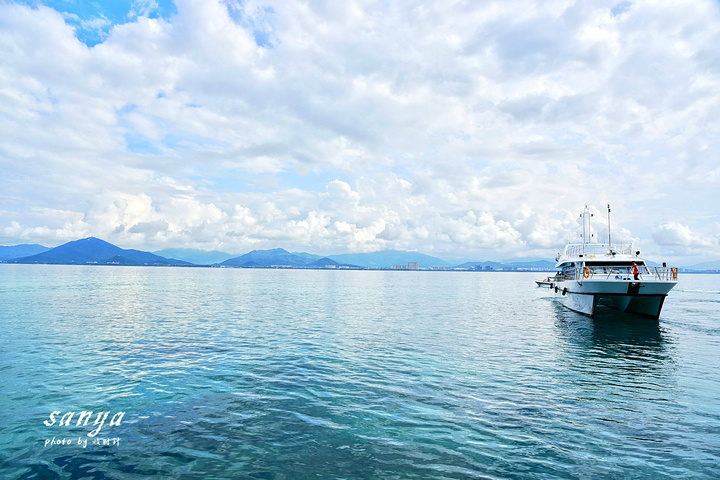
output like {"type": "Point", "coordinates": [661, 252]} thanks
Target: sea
{"type": "Point", "coordinates": [207, 373]}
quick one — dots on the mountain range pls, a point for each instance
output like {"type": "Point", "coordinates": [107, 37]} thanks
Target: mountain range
{"type": "Point", "coordinates": [19, 251]}
{"type": "Point", "coordinates": [96, 251]}
{"type": "Point", "coordinates": [197, 257]}
{"type": "Point", "coordinates": [388, 258]}
{"type": "Point", "coordinates": [707, 266]}
{"type": "Point", "coordinates": [269, 258]}
{"type": "Point", "coordinates": [527, 265]}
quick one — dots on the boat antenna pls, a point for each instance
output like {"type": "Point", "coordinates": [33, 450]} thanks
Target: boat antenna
{"type": "Point", "coordinates": [609, 242]}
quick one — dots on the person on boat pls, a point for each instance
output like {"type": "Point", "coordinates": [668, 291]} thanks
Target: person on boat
{"type": "Point", "coordinates": [635, 270]}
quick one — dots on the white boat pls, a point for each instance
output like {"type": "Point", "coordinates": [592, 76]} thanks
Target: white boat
{"type": "Point", "coordinates": [546, 282]}
{"type": "Point", "coordinates": [602, 274]}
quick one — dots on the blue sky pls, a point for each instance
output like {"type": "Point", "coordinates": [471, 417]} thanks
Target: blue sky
{"type": "Point", "coordinates": [93, 20]}
{"type": "Point", "coordinates": [465, 130]}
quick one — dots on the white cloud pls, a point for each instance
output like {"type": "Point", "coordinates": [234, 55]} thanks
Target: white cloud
{"type": "Point", "coordinates": [453, 127]}
{"type": "Point", "coordinates": [677, 234]}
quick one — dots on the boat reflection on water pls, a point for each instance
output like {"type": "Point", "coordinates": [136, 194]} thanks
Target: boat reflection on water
{"type": "Point", "coordinates": [617, 358]}
{"type": "Point", "coordinates": [612, 333]}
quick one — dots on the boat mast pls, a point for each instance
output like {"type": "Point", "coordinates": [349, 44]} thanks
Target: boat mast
{"type": "Point", "coordinates": [587, 231]}
{"type": "Point", "coordinates": [609, 242]}
{"type": "Point", "coordinates": [587, 235]}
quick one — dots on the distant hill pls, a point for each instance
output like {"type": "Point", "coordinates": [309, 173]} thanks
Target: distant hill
{"type": "Point", "coordinates": [388, 258]}
{"type": "Point", "coordinates": [19, 251]}
{"type": "Point", "coordinates": [487, 263]}
{"type": "Point", "coordinates": [324, 262]}
{"type": "Point", "coordinates": [307, 257]}
{"type": "Point", "coordinates": [705, 266]}
{"type": "Point", "coordinates": [269, 258]}
{"type": "Point", "coordinates": [536, 265]}
{"type": "Point", "coordinates": [547, 264]}
{"type": "Point", "coordinates": [94, 250]}
{"type": "Point", "coordinates": [198, 257]}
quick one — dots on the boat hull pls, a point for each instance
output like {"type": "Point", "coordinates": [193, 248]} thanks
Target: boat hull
{"type": "Point", "coordinates": [639, 297]}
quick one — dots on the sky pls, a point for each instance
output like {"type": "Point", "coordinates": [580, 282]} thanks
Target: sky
{"type": "Point", "coordinates": [467, 130]}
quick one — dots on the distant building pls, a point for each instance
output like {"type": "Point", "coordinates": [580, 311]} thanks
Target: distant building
{"type": "Point", "coordinates": [409, 266]}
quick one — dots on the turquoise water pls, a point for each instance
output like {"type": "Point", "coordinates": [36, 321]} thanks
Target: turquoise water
{"type": "Point", "coordinates": [295, 374]}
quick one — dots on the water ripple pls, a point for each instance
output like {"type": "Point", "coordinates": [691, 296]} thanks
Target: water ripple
{"type": "Point", "coordinates": [303, 374]}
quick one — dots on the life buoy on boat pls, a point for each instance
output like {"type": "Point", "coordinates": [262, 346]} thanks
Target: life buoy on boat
{"type": "Point", "coordinates": [586, 272]}
{"type": "Point", "coordinates": [674, 270]}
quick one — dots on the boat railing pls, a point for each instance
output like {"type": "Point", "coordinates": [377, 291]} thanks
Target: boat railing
{"type": "Point", "coordinates": [619, 272]}
{"type": "Point", "coordinates": [664, 273]}
{"type": "Point", "coordinates": [597, 249]}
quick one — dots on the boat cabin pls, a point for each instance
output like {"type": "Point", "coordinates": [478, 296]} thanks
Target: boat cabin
{"type": "Point", "coordinates": [616, 269]}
